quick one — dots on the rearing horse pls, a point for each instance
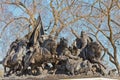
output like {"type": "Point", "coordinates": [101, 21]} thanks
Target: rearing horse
{"type": "Point", "coordinates": [13, 59]}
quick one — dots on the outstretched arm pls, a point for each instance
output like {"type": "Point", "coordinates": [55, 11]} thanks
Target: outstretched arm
{"type": "Point", "coordinates": [76, 35]}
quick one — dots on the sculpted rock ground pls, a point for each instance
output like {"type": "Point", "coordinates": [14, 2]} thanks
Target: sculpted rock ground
{"type": "Point", "coordinates": [57, 77]}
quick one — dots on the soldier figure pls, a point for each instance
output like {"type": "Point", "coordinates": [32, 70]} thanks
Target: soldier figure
{"type": "Point", "coordinates": [50, 44]}
{"type": "Point", "coordinates": [81, 41]}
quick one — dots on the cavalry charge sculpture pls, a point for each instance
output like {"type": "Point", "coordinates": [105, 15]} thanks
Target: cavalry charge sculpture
{"type": "Point", "coordinates": [35, 50]}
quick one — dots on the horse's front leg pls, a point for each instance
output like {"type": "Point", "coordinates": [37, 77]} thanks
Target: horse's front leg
{"type": "Point", "coordinates": [5, 69]}
{"type": "Point", "coordinates": [55, 67]}
{"type": "Point", "coordinates": [20, 68]}
{"type": "Point", "coordinates": [101, 64]}
{"type": "Point", "coordinates": [98, 62]}
{"type": "Point", "coordinates": [7, 73]}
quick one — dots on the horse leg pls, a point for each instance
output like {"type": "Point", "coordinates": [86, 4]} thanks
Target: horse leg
{"type": "Point", "coordinates": [8, 73]}
{"type": "Point", "coordinates": [94, 61]}
{"type": "Point", "coordinates": [34, 70]}
{"type": "Point", "coordinates": [5, 71]}
{"type": "Point", "coordinates": [20, 67]}
{"type": "Point", "coordinates": [101, 65]}
{"type": "Point", "coordinates": [55, 67]}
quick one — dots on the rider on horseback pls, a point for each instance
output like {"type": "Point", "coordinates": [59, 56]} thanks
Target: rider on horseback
{"type": "Point", "coordinates": [51, 45]}
{"type": "Point", "coordinates": [81, 41]}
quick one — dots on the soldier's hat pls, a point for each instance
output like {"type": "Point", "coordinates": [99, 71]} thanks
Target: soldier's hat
{"type": "Point", "coordinates": [83, 32]}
